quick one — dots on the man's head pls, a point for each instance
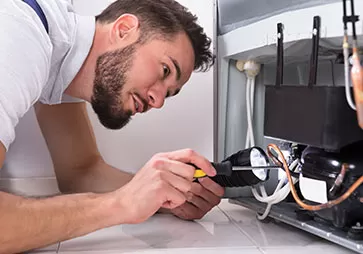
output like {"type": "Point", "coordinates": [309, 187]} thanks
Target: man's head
{"type": "Point", "coordinates": [149, 50]}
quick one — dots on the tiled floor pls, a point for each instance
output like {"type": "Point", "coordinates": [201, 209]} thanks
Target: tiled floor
{"type": "Point", "coordinates": [164, 232]}
{"type": "Point", "coordinates": [227, 229]}
{"type": "Point", "coordinates": [278, 238]}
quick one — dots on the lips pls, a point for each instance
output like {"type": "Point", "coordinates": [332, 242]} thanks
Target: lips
{"type": "Point", "coordinates": [139, 106]}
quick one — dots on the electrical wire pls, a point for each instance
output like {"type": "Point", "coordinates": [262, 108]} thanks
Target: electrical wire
{"type": "Point", "coordinates": [348, 93]}
{"type": "Point", "coordinates": [250, 91]}
{"type": "Point", "coordinates": [280, 185]}
{"type": "Point", "coordinates": [273, 147]}
{"type": "Point", "coordinates": [250, 136]}
{"type": "Point", "coordinates": [252, 69]}
{"type": "Point", "coordinates": [280, 193]}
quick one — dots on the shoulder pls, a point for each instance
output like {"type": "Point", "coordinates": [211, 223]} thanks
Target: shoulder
{"type": "Point", "coordinates": [25, 60]}
{"type": "Point", "coordinates": [25, 51]}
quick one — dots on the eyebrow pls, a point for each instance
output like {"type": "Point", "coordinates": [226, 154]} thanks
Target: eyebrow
{"type": "Point", "coordinates": [177, 67]}
{"type": "Point", "coordinates": [175, 93]}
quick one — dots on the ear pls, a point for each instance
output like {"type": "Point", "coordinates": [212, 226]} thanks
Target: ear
{"type": "Point", "coordinates": [126, 27]}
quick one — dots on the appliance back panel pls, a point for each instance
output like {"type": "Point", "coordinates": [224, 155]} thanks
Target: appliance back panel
{"type": "Point", "coordinates": [318, 116]}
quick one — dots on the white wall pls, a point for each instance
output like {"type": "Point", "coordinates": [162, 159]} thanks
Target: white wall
{"type": "Point", "coordinates": [185, 121]}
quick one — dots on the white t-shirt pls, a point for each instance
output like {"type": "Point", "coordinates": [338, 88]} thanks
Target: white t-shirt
{"type": "Point", "coordinates": [36, 65]}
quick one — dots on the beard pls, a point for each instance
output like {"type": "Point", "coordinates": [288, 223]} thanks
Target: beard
{"type": "Point", "coordinates": [110, 78]}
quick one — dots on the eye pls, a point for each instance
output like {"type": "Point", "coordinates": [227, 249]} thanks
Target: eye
{"type": "Point", "coordinates": [166, 70]}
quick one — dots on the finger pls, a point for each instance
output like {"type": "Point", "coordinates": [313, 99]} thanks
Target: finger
{"type": "Point", "coordinates": [179, 169]}
{"type": "Point", "coordinates": [199, 202]}
{"type": "Point", "coordinates": [192, 212]}
{"type": "Point", "coordinates": [190, 156]}
{"type": "Point", "coordinates": [176, 181]}
{"type": "Point", "coordinates": [212, 186]}
{"type": "Point", "coordinates": [173, 197]}
{"type": "Point", "coordinates": [179, 212]}
{"type": "Point", "coordinates": [198, 190]}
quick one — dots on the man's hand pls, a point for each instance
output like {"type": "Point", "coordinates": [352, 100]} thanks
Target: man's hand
{"type": "Point", "coordinates": [164, 182]}
{"type": "Point", "coordinates": [200, 200]}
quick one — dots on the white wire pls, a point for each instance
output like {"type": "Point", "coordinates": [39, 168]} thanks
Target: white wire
{"type": "Point", "coordinates": [252, 93]}
{"type": "Point", "coordinates": [248, 110]}
{"type": "Point", "coordinates": [250, 141]}
{"type": "Point", "coordinates": [281, 191]}
{"type": "Point", "coordinates": [279, 194]}
{"type": "Point", "coordinates": [250, 90]}
{"type": "Point", "coordinates": [348, 94]}
{"type": "Point", "coordinates": [266, 213]}
{"type": "Point", "coordinates": [278, 187]}
{"type": "Point", "coordinates": [252, 87]}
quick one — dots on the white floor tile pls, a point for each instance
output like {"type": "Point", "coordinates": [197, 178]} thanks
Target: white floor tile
{"type": "Point", "coordinates": [267, 234]}
{"type": "Point", "coordinates": [41, 252]}
{"type": "Point", "coordinates": [163, 232]}
{"type": "Point", "coordinates": [278, 237]}
{"type": "Point", "coordinates": [323, 247]}
{"type": "Point", "coordinates": [177, 251]}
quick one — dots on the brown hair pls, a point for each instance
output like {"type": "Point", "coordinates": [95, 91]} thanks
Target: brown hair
{"type": "Point", "coordinates": [165, 18]}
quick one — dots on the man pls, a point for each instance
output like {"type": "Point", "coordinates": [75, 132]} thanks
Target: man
{"type": "Point", "coordinates": [125, 61]}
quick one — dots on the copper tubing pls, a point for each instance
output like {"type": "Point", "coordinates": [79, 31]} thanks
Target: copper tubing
{"type": "Point", "coordinates": [339, 180]}
{"type": "Point", "coordinates": [357, 80]}
{"type": "Point", "coordinates": [330, 204]}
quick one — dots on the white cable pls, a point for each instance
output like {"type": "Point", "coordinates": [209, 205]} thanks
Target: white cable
{"type": "Point", "coordinates": [279, 194]}
{"type": "Point", "coordinates": [250, 90]}
{"type": "Point", "coordinates": [275, 195]}
{"type": "Point", "coordinates": [252, 93]}
{"type": "Point", "coordinates": [250, 142]}
{"type": "Point", "coordinates": [248, 108]}
{"type": "Point", "coordinates": [252, 69]}
{"type": "Point", "coordinates": [247, 144]}
{"type": "Point", "coordinates": [269, 205]}
{"type": "Point", "coordinates": [348, 94]}
{"type": "Point", "coordinates": [251, 100]}
{"type": "Point", "coordinates": [266, 213]}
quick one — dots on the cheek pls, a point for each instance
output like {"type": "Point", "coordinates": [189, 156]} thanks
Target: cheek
{"type": "Point", "coordinates": [142, 75]}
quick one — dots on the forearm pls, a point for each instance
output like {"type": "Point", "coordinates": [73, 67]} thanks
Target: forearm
{"type": "Point", "coordinates": [99, 177]}
{"type": "Point", "coordinates": [34, 223]}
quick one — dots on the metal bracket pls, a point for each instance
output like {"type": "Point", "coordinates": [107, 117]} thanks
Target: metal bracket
{"type": "Point", "coordinates": [314, 52]}
{"type": "Point", "coordinates": [280, 55]}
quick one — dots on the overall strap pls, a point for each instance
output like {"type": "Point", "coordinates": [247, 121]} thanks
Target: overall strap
{"type": "Point", "coordinates": [38, 10]}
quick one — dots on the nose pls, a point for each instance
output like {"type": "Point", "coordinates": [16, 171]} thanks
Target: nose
{"type": "Point", "coordinates": [156, 96]}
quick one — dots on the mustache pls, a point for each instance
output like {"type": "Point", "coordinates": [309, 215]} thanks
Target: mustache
{"type": "Point", "coordinates": [145, 103]}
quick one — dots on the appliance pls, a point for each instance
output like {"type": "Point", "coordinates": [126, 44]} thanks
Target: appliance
{"type": "Point", "coordinates": [315, 133]}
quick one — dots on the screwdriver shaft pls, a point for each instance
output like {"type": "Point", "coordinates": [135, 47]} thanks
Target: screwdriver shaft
{"type": "Point", "coordinates": [257, 167]}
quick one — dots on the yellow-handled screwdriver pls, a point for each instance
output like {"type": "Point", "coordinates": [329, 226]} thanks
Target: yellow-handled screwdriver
{"type": "Point", "coordinates": [225, 168]}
